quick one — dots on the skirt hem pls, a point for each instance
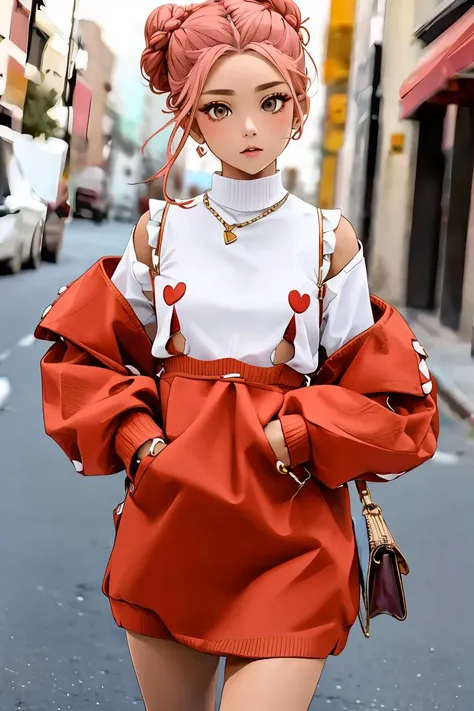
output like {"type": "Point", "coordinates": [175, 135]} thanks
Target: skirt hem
{"type": "Point", "coordinates": [137, 620]}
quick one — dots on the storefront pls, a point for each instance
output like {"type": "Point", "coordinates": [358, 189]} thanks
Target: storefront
{"type": "Point", "coordinates": [439, 94]}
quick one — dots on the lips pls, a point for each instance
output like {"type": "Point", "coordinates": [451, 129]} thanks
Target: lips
{"type": "Point", "coordinates": [251, 150]}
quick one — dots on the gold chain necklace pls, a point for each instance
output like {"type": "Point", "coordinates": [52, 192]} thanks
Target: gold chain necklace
{"type": "Point", "coordinates": [229, 235]}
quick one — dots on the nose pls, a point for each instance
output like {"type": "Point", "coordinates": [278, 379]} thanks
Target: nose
{"type": "Point", "coordinates": [249, 128]}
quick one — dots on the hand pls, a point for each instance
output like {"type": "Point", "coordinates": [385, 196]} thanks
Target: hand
{"type": "Point", "coordinates": [274, 434]}
{"type": "Point", "coordinates": [144, 450]}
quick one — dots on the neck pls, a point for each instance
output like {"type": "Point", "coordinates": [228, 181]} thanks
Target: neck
{"type": "Point", "coordinates": [228, 171]}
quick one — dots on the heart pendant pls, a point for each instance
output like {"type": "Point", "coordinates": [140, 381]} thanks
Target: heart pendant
{"type": "Point", "coordinates": [229, 237]}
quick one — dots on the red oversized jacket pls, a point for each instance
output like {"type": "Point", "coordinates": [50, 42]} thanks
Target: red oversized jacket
{"type": "Point", "coordinates": [101, 399]}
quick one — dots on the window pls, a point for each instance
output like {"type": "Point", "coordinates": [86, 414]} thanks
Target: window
{"type": "Point", "coordinates": [37, 46]}
{"type": "Point", "coordinates": [5, 119]}
{"type": "Point", "coordinates": [4, 184]}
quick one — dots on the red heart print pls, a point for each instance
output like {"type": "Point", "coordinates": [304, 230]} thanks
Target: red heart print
{"type": "Point", "coordinates": [173, 294]}
{"type": "Point", "coordinates": [299, 303]}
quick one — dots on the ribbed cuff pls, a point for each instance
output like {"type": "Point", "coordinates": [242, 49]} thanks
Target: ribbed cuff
{"type": "Point", "coordinates": [296, 436]}
{"type": "Point", "coordinates": [134, 430]}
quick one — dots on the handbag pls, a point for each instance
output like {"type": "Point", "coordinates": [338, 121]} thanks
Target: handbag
{"type": "Point", "coordinates": [381, 563]}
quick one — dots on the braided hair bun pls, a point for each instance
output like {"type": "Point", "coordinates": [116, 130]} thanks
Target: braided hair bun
{"type": "Point", "coordinates": [159, 29]}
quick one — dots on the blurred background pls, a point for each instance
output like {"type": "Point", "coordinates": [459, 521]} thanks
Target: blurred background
{"type": "Point", "coordinates": [390, 140]}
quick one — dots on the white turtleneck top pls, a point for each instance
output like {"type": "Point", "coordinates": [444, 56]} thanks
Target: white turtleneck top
{"type": "Point", "coordinates": [244, 299]}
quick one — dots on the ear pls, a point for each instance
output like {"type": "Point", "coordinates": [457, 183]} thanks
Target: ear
{"type": "Point", "coordinates": [296, 127]}
{"type": "Point", "coordinates": [196, 133]}
{"type": "Point", "coordinates": [305, 107]}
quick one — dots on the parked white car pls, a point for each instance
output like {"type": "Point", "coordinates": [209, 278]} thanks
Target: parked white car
{"type": "Point", "coordinates": [22, 215]}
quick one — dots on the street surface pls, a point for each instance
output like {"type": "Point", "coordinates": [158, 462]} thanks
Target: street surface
{"type": "Point", "coordinates": [59, 647]}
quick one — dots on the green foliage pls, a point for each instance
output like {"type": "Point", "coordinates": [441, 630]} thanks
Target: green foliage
{"type": "Point", "coordinates": [36, 121]}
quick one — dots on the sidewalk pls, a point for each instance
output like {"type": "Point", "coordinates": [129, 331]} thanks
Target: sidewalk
{"type": "Point", "coordinates": [449, 359]}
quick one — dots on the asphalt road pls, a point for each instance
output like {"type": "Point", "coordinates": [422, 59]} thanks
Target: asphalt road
{"type": "Point", "coordinates": [59, 647]}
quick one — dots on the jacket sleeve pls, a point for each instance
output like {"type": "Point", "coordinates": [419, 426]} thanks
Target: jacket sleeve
{"type": "Point", "coordinates": [100, 394]}
{"type": "Point", "coordinates": [378, 418]}
{"type": "Point", "coordinates": [97, 416]}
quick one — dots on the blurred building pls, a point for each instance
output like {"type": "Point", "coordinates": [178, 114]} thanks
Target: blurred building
{"type": "Point", "coordinates": [126, 161]}
{"type": "Point", "coordinates": [14, 27]}
{"type": "Point", "coordinates": [336, 77]}
{"type": "Point", "coordinates": [98, 78]}
{"type": "Point", "coordinates": [153, 118]}
{"type": "Point", "coordinates": [422, 229]}
{"type": "Point", "coordinates": [50, 54]}
{"type": "Point", "coordinates": [358, 157]}
{"type": "Point", "coordinates": [39, 44]}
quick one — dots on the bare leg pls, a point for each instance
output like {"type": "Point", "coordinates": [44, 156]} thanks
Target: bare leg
{"type": "Point", "coordinates": [173, 677]}
{"type": "Point", "coordinates": [270, 684]}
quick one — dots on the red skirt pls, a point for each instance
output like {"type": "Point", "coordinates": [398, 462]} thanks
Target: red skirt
{"type": "Point", "coordinates": [212, 547]}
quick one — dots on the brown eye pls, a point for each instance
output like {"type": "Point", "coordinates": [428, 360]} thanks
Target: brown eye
{"type": "Point", "coordinates": [217, 112]}
{"type": "Point", "coordinates": [274, 104]}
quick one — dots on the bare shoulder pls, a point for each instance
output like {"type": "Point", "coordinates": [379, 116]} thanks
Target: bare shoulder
{"type": "Point", "coordinates": [346, 247]}
{"type": "Point", "coordinates": [140, 240]}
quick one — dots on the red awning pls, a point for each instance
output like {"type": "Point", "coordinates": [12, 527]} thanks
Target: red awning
{"type": "Point", "coordinates": [442, 60]}
{"type": "Point", "coordinates": [81, 108]}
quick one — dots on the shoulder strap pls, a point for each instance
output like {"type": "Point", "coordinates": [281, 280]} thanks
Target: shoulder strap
{"type": "Point", "coordinates": [156, 256]}
{"type": "Point", "coordinates": [321, 284]}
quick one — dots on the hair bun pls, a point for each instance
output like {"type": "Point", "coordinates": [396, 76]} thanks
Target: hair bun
{"type": "Point", "coordinates": [159, 29]}
{"type": "Point", "coordinates": [288, 10]}
{"type": "Point", "coordinates": [162, 23]}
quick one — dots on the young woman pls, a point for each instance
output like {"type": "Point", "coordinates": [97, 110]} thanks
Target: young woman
{"type": "Point", "coordinates": [187, 362]}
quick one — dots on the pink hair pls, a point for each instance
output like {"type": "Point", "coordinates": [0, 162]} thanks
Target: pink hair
{"type": "Point", "coordinates": [183, 43]}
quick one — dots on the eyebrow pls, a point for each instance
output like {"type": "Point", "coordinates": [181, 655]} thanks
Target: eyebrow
{"type": "Point", "coordinates": [231, 92]}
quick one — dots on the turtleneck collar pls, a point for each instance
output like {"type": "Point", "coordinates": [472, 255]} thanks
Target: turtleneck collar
{"type": "Point", "coordinates": [247, 195]}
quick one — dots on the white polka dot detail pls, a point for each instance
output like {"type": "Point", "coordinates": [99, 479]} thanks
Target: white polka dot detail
{"type": "Point", "coordinates": [78, 466]}
{"type": "Point", "coordinates": [132, 369]}
{"type": "Point", "coordinates": [424, 369]}
{"type": "Point", "coordinates": [119, 509]}
{"type": "Point", "coordinates": [47, 310]}
{"type": "Point", "coordinates": [419, 349]}
{"type": "Point", "coordinates": [62, 290]}
{"type": "Point", "coordinates": [427, 387]}
{"type": "Point", "coordinates": [390, 477]}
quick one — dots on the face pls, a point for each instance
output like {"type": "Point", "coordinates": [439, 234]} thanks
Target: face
{"type": "Point", "coordinates": [245, 115]}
